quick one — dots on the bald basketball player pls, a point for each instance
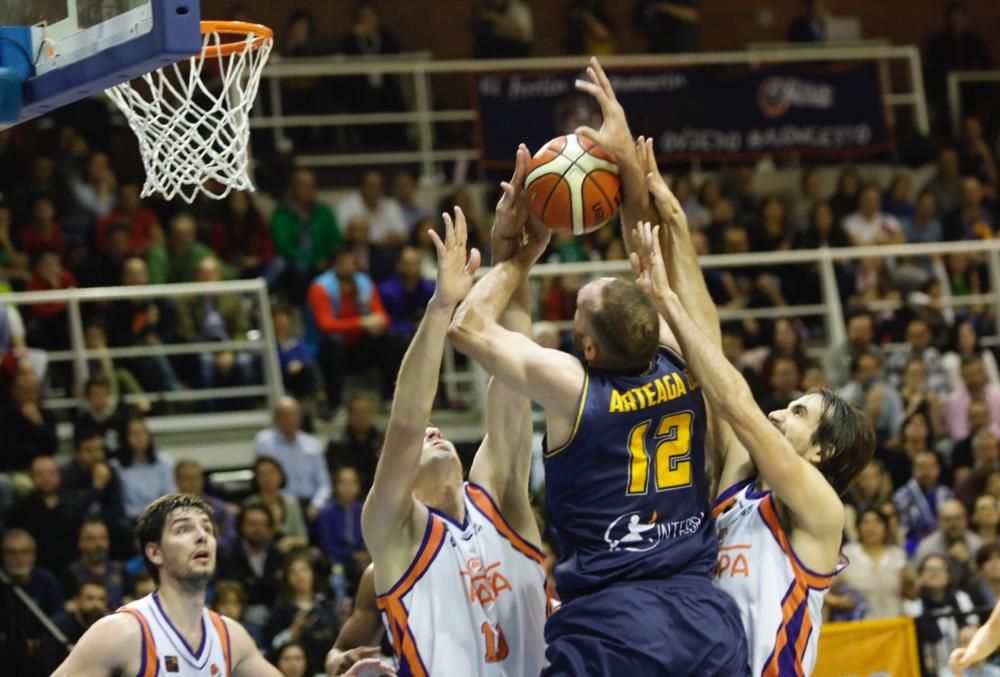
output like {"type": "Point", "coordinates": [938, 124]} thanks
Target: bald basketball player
{"type": "Point", "coordinates": [154, 635]}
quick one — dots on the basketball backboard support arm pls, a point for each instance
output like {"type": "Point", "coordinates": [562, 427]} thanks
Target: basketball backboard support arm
{"type": "Point", "coordinates": [90, 60]}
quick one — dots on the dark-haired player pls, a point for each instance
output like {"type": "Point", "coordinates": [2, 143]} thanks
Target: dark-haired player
{"type": "Point", "coordinates": [625, 481]}
{"type": "Point", "coordinates": [157, 635]}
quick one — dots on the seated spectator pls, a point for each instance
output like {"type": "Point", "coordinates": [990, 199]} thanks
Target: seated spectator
{"type": "Point", "coordinates": [501, 29]}
{"type": "Point", "coordinates": [91, 484]}
{"type": "Point", "coordinates": [300, 374]}
{"type": "Point", "coordinates": [290, 526]}
{"type": "Point", "coordinates": [29, 430]}
{"type": "Point", "coordinates": [239, 235]}
{"type": "Point", "coordinates": [338, 527]}
{"type": "Point", "coordinates": [221, 317]}
{"type": "Point", "coordinates": [89, 605]}
{"type": "Point", "coordinates": [916, 438]}
{"type": "Point", "coordinates": [986, 520]}
{"type": "Point", "coordinates": [811, 25]}
{"type": "Point", "coordinates": [919, 499]}
{"type": "Point", "coordinates": [141, 321]}
{"type": "Point", "coordinates": [19, 565]}
{"type": "Point", "coordinates": [946, 184]}
{"type": "Point", "coordinates": [898, 200]}
{"type": "Point", "coordinates": [95, 563]}
{"type": "Point", "coordinates": [361, 443]}
{"type": "Point", "coordinates": [404, 189]}
{"type": "Point", "coordinates": [103, 413]}
{"type": "Point", "coordinates": [146, 473]}
{"type": "Point", "coordinates": [142, 585]}
{"type": "Point", "coordinates": [974, 388]}
{"type": "Point", "coordinates": [254, 561]}
{"type": "Point", "coordinates": [139, 222]}
{"type": "Point", "coordinates": [935, 610]}
{"type": "Point", "coordinates": [986, 592]}
{"type": "Point", "coordinates": [924, 226]}
{"type": "Point", "coordinates": [44, 232]}
{"type": "Point", "coordinates": [985, 461]}
{"type": "Point", "coordinates": [48, 321]}
{"type": "Point", "coordinates": [870, 488]}
{"type": "Point", "coordinates": [870, 393]}
{"type": "Point", "coordinates": [299, 454]}
{"type": "Point", "coordinates": [877, 567]}
{"type": "Point", "coordinates": [177, 260]}
{"type": "Point", "coordinates": [230, 599]}
{"type": "Point", "coordinates": [386, 223]}
{"type": "Point", "coordinates": [405, 295]}
{"type": "Point", "coordinates": [916, 396]}
{"type": "Point", "coordinates": [52, 520]}
{"type": "Point", "coordinates": [103, 268]}
{"type": "Point", "coordinates": [368, 258]}
{"type": "Point", "coordinates": [918, 344]}
{"type": "Point", "coordinates": [95, 191]}
{"type": "Point", "coordinates": [897, 534]}
{"type": "Point", "coordinates": [23, 639]}
{"type": "Point", "coordinates": [305, 233]}
{"type": "Point", "coordinates": [838, 361]}
{"type": "Point", "coordinates": [346, 320]}
{"type": "Point", "coordinates": [951, 540]}
{"type": "Point", "coordinates": [773, 231]}
{"type": "Point", "coordinates": [869, 225]}
{"type": "Point", "coordinates": [42, 180]}
{"type": "Point", "coordinates": [190, 479]}
{"type": "Point", "coordinates": [975, 155]}
{"type": "Point", "coordinates": [964, 342]}
{"type": "Point", "coordinates": [120, 380]}
{"type": "Point", "coordinates": [589, 29]}
{"type": "Point", "coordinates": [13, 262]}
{"type": "Point", "coordinates": [300, 600]}
{"type": "Point", "coordinates": [971, 219]}
{"type": "Point", "coordinates": [291, 660]}
{"type": "Point", "coordinates": [783, 387]}
{"type": "Point", "coordinates": [845, 198]}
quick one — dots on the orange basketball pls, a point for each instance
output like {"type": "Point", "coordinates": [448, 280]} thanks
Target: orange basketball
{"type": "Point", "coordinates": [573, 185]}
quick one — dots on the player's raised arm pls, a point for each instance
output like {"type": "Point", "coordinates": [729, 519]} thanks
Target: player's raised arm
{"type": "Point", "coordinates": [814, 504]}
{"type": "Point", "coordinates": [614, 137]}
{"type": "Point", "coordinates": [390, 504]}
{"type": "Point", "coordinates": [550, 377]}
{"type": "Point", "coordinates": [503, 462]}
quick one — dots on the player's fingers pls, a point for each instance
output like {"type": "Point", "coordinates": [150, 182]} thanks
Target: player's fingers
{"type": "Point", "coordinates": [438, 244]}
{"type": "Point", "coordinates": [521, 160]}
{"type": "Point", "coordinates": [508, 190]}
{"type": "Point", "coordinates": [589, 133]}
{"type": "Point", "coordinates": [475, 258]}
{"type": "Point", "coordinates": [367, 651]}
{"type": "Point", "coordinates": [601, 77]}
{"type": "Point", "coordinates": [633, 259]}
{"type": "Point", "coordinates": [449, 230]}
{"type": "Point", "coordinates": [595, 91]}
{"type": "Point", "coordinates": [461, 231]}
{"type": "Point", "coordinates": [657, 249]}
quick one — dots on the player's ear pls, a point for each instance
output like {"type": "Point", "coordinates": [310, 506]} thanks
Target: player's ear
{"type": "Point", "coordinates": [589, 349]}
{"type": "Point", "coordinates": [153, 553]}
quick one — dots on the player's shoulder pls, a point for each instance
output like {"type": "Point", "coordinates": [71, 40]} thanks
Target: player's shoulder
{"type": "Point", "coordinates": [117, 634]}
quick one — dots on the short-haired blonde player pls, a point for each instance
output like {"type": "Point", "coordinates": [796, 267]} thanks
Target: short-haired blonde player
{"type": "Point", "coordinates": [459, 577]}
{"type": "Point", "coordinates": [154, 635]}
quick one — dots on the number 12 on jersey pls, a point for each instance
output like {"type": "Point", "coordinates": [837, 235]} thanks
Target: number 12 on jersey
{"type": "Point", "coordinates": [671, 457]}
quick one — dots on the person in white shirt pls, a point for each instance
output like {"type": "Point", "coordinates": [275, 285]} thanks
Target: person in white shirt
{"type": "Point", "coordinates": [299, 453]}
{"type": "Point", "coordinates": [387, 224]}
{"type": "Point", "coordinates": [868, 225]}
{"type": "Point", "coordinates": [877, 566]}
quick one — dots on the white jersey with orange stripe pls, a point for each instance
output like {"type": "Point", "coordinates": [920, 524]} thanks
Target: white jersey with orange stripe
{"type": "Point", "coordinates": [166, 652]}
{"type": "Point", "coordinates": [473, 601]}
{"type": "Point", "coordinates": [780, 600]}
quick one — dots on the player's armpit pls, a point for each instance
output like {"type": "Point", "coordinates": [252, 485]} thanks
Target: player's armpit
{"type": "Point", "coordinates": [110, 646]}
{"type": "Point", "coordinates": [246, 657]}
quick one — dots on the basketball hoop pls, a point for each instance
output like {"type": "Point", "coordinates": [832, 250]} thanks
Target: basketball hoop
{"type": "Point", "coordinates": [193, 123]}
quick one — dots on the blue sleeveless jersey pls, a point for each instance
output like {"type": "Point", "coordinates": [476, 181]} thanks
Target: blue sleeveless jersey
{"type": "Point", "coordinates": [628, 494]}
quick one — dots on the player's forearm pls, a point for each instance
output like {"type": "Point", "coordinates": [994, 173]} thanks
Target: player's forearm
{"type": "Point", "coordinates": [687, 280]}
{"type": "Point", "coordinates": [417, 382]}
{"type": "Point", "coordinates": [986, 639]}
{"type": "Point", "coordinates": [490, 296]}
{"type": "Point", "coordinates": [636, 204]}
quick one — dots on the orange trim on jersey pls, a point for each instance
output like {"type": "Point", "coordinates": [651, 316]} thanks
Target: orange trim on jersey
{"type": "Point", "coordinates": [579, 417]}
{"type": "Point", "coordinates": [149, 662]}
{"type": "Point", "coordinates": [720, 508]}
{"type": "Point", "coordinates": [796, 599]}
{"type": "Point", "coordinates": [809, 578]}
{"type": "Point", "coordinates": [422, 560]}
{"type": "Point", "coordinates": [223, 632]}
{"type": "Point", "coordinates": [485, 504]}
{"type": "Point", "coordinates": [403, 643]}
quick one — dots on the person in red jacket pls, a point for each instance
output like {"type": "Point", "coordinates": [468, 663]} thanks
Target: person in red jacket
{"type": "Point", "coordinates": [346, 323]}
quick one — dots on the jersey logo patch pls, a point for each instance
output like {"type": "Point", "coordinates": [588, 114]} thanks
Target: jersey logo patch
{"type": "Point", "coordinates": [170, 662]}
{"type": "Point", "coordinates": [486, 583]}
{"type": "Point", "coordinates": [632, 533]}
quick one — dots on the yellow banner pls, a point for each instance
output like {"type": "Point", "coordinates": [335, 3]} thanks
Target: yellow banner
{"type": "Point", "coordinates": [887, 648]}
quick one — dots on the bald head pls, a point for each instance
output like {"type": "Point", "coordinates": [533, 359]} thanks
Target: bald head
{"type": "Point", "coordinates": [208, 270]}
{"type": "Point", "coordinates": [288, 416]}
{"type": "Point", "coordinates": [952, 519]}
{"type": "Point", "coordinates": [135, 272]}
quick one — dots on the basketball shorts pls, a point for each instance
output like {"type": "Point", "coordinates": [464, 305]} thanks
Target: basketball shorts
{"type": "Point", "coordinates": [683, 626]}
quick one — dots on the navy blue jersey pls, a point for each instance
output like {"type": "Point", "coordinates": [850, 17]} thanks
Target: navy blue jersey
{"type": "Point", "coordinates": [628, 494]}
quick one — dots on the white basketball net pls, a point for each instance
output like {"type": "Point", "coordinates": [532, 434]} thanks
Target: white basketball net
{"type": "Point", "coordinates": [193, 134]}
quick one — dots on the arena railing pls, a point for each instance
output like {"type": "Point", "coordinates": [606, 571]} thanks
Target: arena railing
{"type": "Point", "coordinates": [956, 79]}
{"type": "Point", "coordinates": [260, 340]}
{"type": "Point", "coordinates": [416, 71]}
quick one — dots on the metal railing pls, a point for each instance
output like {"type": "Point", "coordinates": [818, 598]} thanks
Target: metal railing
{"type": "Point", "coordinates": [955, 81]}
{"type": "Point", "coordinates": [260, 341]}
{"type": "Point", "coordinates": [416, 70]}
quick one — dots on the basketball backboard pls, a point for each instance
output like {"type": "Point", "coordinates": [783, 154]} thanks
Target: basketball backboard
{"type": "Point", "coordinates": [82, 47]}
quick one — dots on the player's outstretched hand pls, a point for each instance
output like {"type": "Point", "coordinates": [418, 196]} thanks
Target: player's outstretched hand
{"type": "Point", "coordinates": [512, 212]}
{"type": "Point", "coordinates": [614, 136]}
{"type": "Point", "coordinates": [957, 661]}
{"type": "Point", "coordinates": [456, 268]}
{"type": "Point", "coordinates": [666, 203]}
{"type": "Point", "coordinates": [647, 262]}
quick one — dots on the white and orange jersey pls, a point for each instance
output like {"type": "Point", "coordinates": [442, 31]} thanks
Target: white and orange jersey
{"type": "Point", "coordinates": [780, 600]}
{"type": "Point", "coordinates": [166, 652]}
{"type": "Point", "coordinates": [473, 601]}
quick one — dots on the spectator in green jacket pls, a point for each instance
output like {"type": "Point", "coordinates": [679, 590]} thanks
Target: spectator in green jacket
{"type": "Point", "coordinates": [305, 234]}
{"type": "Point", "coordinates": [177, 260]}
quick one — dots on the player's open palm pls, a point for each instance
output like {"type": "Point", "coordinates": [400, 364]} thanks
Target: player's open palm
{"type": "Point", "coordinates": [512, 210]}
{"type": "Point", "coordinates": [614, 136]}
{"type": "Point", "coordinates": [647, 261]}
{"type": "Point", "coordinates": [456, 267]}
